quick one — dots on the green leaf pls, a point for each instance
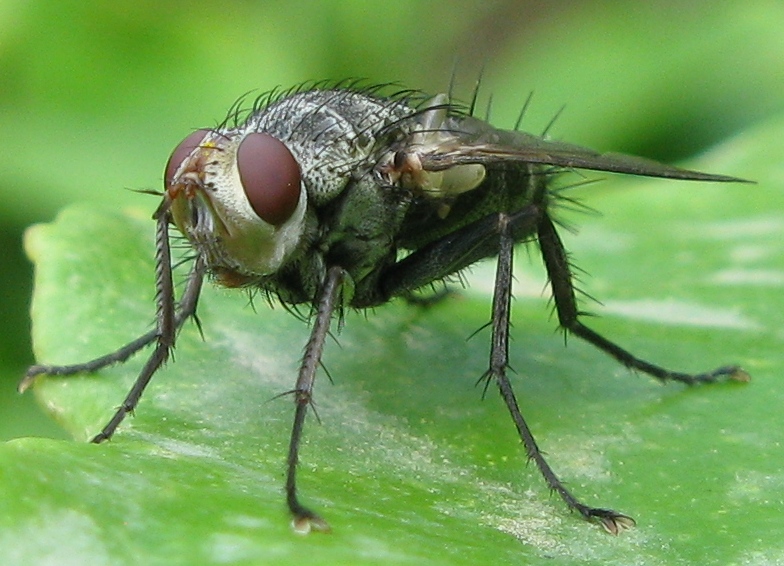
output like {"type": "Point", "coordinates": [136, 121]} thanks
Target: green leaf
{"type": "Point", "coordinates": [407, 463]}
{"type": "Point", "coordinates": [97, 96]}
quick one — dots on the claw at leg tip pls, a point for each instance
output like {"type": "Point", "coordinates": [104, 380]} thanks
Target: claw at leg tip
{"type": "Point", "coordinates": [25, 383]}
{"type": "Point", "coordinates": [306, 524]}
{"type": "Point", "coordinates": [741, 375]}
{"type": "Point", "coordinates": [616, 524]}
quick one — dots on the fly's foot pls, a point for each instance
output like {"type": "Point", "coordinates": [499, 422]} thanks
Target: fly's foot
{"type": "Point", "coordinates": [737, 373]}
{"type": "Point", "coordinates": [100, 437]}
{"type": "Point", "coordinates": [29, 378]}
{"type": "Point", "coordinates": [305, 521]}
{"type": "Point", "coordinates": [611, 521]}
{"type": "Point", "coordinates": [730, 373]}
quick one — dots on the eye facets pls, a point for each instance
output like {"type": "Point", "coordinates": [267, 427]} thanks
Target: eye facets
{"type": "Point", "coordinates": [270, 177]}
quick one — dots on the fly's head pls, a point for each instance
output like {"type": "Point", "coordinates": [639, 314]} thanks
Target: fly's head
{"type": "Point", "coordinates": [238, 197]}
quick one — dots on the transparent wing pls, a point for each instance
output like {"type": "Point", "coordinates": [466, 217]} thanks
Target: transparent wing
{"type": "Point", "coordinates": [465, 140]}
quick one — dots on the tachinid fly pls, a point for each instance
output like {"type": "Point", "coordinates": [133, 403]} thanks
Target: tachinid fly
{"type": "Point", "coordinates": [342, 197]}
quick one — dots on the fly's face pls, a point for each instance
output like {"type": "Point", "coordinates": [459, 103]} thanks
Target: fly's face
{"type": "Point", "coordinates": [239, 199]}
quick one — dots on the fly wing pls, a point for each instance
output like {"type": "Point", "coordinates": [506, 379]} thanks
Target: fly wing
{"type": "Point", "coordinates": [473, 141]}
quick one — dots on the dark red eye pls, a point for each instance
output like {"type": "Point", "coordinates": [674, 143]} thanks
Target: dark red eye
{"type": "Point", "coordinates": [270, 176]}
{"type": "Point", "coordinates": [180, 152]}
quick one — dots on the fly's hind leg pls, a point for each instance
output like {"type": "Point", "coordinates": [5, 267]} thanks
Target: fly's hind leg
{"type": "Point", "coordinates": [558, 270]}
{"type": "Point", "coordinates": [495, 234]}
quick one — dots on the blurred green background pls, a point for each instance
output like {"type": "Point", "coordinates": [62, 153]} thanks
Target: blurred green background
{"type": "Point", "coordinates": [94, 95]}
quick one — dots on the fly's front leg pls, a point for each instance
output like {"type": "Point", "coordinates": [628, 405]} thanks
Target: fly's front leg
{"type": "Point", "coordinates": [612, 521]}
{"type": "Point", "coordinates": [166, 322]}
{"type": "Point", "coordinates": [185, 310]}
{"type": "Point", "coordinates": [306, 520]}
{"type": "Point", "coordinates": [165, 336]}
{"type": "Point", "coordinates": [557, 265]}
{"type": "Point", "coordinates": [169, 317]}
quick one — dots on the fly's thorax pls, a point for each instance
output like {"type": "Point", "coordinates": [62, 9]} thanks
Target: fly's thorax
{"type": "Point", "coordinates": [433, 129]}
{"type": "Point", "coordinates": [239, 199]}
{"type": "Point", "coordinates": [505, 188]}
{"type": "Point", "coordinates": [333, 134]}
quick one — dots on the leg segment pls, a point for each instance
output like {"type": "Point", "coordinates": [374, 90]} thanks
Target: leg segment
{"type": "Point", "coordinates": [456, 251]}
{"type": "Point", "coordinates": [185, 310]}
{"type": "Point", "coordinates": [169, 320]}
{"type": "Point", "coordinates": [305, 519]}
{"type": "Point", "coordinates": [557, 264]}
{"type": "Point", "coordinates": [612, 521]}
{"type": "Point", "coordinates": [166, 323]}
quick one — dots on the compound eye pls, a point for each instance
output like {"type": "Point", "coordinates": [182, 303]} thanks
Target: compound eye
{"type": "Point", "coordinates": [270, 177]}
{"type": "Point", "coordinates": [180, 152]}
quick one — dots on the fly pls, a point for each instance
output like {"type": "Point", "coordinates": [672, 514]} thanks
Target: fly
{"type": "Point", "coordinates": [341, 197]}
